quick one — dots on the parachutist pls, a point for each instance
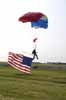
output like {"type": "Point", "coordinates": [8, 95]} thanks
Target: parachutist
{"type": "Point", "coordinates": [34, 54]}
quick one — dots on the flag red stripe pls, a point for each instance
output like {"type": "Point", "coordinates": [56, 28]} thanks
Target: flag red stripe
{"type": "Point", "coordinates": [19, 68]}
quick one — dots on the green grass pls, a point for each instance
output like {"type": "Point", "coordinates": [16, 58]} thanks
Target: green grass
{"type": "Point", "coordinates": [41, 85]}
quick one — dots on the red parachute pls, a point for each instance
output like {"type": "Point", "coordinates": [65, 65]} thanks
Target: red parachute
{"type": "Point", "coordinates": [30, 17]}
{"type": "Point", "coordinates": [37, 19]}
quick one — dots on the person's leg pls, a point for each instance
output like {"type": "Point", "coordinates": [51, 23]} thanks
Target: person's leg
{"type": "Point", "coordinates": [36, 56]}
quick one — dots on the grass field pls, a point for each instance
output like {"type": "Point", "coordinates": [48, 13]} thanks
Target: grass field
{"type": "Point", "coordinates": [41, 85]}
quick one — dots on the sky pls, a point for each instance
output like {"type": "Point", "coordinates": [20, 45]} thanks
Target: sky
{"type": "Point", "coordinates": [17, 37]}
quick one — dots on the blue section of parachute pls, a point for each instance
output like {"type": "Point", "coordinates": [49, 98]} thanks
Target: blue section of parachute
{"type": "Point", "coordinates": [40, 24]}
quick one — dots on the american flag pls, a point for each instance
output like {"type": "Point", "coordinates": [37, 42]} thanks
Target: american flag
{"type": "Point", "coordinates": [20, 62]}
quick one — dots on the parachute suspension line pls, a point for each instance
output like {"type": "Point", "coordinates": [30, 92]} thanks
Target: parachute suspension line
{"type": "Point", "coordinates": [35, 42]}
{"type": "Point", "coordinates": [35, 38]}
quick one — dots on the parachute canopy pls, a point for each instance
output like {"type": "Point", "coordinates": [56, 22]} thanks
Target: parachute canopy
{"type": "Point", "coordinates": [40, 23]}
{"type": "Point", "coordinates": [37, 19]}
{"type": "Point", "coordinates": [30, 17]}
